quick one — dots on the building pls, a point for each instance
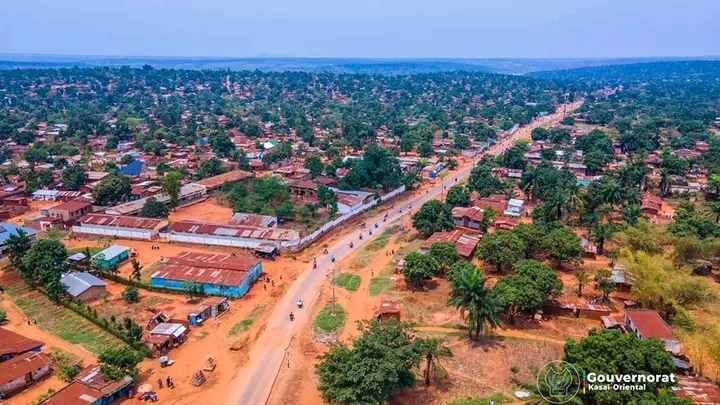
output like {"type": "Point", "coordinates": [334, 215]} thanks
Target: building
{"type": "Point", "coordinates": [208, 233]}
{"type": "Point", "coordinates": [6, 230]}
{"type": "Point", "coordinates": [465, 244]}
{"type": "Point", "coordinates": [468, 217]}
{"type": "Point", "coordinates": [91, 388]}
{"type": "Point", "coordinates": [13, 344]}
{"type": "Point", "coordinates": [188, 193]}
{"type": "Point", "coordinates": [121, 226]}
{"type": "Point", "coordinates": [83, 286]}
{"type": "Point", "coordinates": [219, 274]}
{"type": "Point", "coordinates": [111, 256]}
{"type": "Point", "coordinates": [23, 370]}
{"type": "Point", "coordinates": [646, 323]}
{"type": "Point", "coordinates": [256, 220]}
{"type": "Point", "coordinates": [69, 211]}
{"type": "Point", "coordinates": [213, 184]}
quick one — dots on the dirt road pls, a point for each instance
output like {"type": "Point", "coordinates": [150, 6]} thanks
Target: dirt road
{"type": "Point", "coordinates": [253, 382]}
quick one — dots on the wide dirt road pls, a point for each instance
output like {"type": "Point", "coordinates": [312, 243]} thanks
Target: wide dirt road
{"type": "Point", "coordinates": [253, 382]}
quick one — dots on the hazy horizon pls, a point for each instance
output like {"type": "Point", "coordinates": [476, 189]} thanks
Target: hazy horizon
{"type": "Point", "coordinates": [374, 29]}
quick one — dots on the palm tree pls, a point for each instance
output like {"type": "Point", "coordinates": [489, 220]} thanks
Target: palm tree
{"type": "Point", "coordinates": [433, 349]}
{"type": "Point", "coordinates": [612, 192]}
{"type": "Point", "coordinates": [476, 304]}
{"type": "Point", "coordinates": [582, 277]}
{"type": "Point", "coordinates": [602, 232]}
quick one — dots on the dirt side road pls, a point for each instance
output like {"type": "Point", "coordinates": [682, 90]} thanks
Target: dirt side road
{"type": "Point", "coordinates": [254, 381]}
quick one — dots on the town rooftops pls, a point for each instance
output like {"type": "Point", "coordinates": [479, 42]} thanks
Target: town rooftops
{"type": "Point", "coordinates": [223, 261]}
{"type": "Point", "coordinates": [216, 181]}
{"type": "Point", "coordinates": [7, 229]}
{"type": "Point", "coordinates": [78, 283]}
{"type": "Point", "coordinates": [22, 365]}
{"type": "Point", "coordinates": [120, 221]}
{"type": "Point", "coordinates": [256, 220]}
{"type": "Point", "coordinates": [649, 324]}
{"type": "Point", "coordinates": [237, 231]}
{"type": "Point", "coordinates": [11, 342]}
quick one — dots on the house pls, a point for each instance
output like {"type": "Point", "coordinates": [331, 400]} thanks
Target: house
{"type": "Point", "coordinates": [111, 256]}
{"type": "Point", "coordinates": [121, 226]}
{"type": "Point", "coordinates": [646, 323]}
{"type": "Point", "coordinates": [651, 204]}
{"type": "Point", "coordinates": [21, 371]}
{"type": "Point", "coordinates": [69, 211]}
{"type": "Point", "coordinates": [83, 286]}
{"type": "Point", "coordinates": [468, 217]}
{"type": "Point", "coordinates": [349, 201]}
{"type": "Point", "coordinates": [514, 208]}
{"type": "Point", "coordinates": [91, 388]}
{"type": "Point", "coordinates": [213, 184]}
{"type": "Point", "coordinates": [465, 244]}
{"type": "Point", "coordinates": [219, 274]}
{"type": "Point", "coordinates": [7, 229]}
{"type": "Point", "coordinates": [13, 344]}
{"type": "Point", "coordinates": [256, 220]}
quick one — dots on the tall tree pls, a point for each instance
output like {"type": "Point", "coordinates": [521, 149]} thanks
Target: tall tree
{"type": "Point", "coordinates": [171, 186]}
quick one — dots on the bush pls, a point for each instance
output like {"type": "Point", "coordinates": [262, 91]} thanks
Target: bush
{"type": "Point", "coordinates": [130, 294]}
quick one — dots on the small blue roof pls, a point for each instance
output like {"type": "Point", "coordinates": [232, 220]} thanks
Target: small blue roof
{"type": "Point", "coordinates": [7, 229]}
{"type": "Point", "coordinates": [132, 169]}
{"type": "Point", "coordinates": [112, 251]}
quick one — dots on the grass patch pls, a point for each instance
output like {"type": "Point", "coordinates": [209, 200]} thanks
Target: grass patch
{"type": "Point", "coordinates": [244, 325]}
{"type": "Point", "coordinates": [348, 281]}
{"type": "Point", "coordinates": [93, 250]}
{"type": "Point", "coordinates": [378, 285]}
{"type": "Point", "coordinates": [497, 397]}
{"type": "Point", "coordinates": [327, 323]}
{"type": "Point", "coordinates": [64, 323]}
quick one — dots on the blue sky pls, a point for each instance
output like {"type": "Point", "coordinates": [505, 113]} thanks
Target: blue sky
{"type": "Point", "coordinates": [363, 28]}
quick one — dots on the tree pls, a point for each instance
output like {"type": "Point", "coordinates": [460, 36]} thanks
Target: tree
{"type": "Point", "coordinates": [18, 245]}
{"type": "Point", "coordinates": [117, 362]}
{"type": "Point", "coordinates": [45, 260]}
{"type": "Point", "coordinates": [611, 352]}
{"type": "Point", "coordinates": [73, 177]}
{"type": "Point", "coordinates": [582, 278]}
{"type": "Point", "coordinates": [563, 244]}
{"type": "Point", "coordinates": [130, 294]}
{"type": "Point", "coordinates": [501, 248]}
{"type": "Point", "coordinates": [379, 364]}
{"type": "Point", "coordinates": [458, 196]}
{"type": "Point", "coordinates": [154, 209]}
{"type": "Point", "coordinates": [433, 350]}
{"type": "Point", "coordinates": [477, 305]}
{"type": "Point", "coordinates": [111, 190]}
{"type": "Point", "coordinates": [419, 267]}
{"type": "Point", "coordinates": [432, 217]}
{"type": "Point", "coordinates": [533, 236]}
{"type": "Point", "coordinates": [314, 164]}
{"type": "Point", "coordinates": [192, 289]}
{"type": "Point", "coordinates": [445, 254]}
{"type": "Point", "coordinates": [171, 186]}
{"type": "Point", "coordinates": [136, 267]}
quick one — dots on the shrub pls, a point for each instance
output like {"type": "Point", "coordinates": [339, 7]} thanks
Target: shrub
{"type": "Point", "coordinates": [130, 294]}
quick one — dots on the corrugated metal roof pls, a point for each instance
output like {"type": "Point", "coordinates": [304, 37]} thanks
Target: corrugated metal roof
{"type": "Point", "coordinates": [201, 275]}
{"type": "Point", "coordinates": [120, 221]}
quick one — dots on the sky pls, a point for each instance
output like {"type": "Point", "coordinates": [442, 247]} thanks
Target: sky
{"type": "Point", "coordinates": [363, 28]}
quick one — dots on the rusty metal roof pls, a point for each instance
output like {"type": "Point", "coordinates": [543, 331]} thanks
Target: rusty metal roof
{"type": "Point", "coordinates": [237, 231]}
{"type": "Point", "coordinates": [200, 275]}
{"type": "Point", "coordinates": [121, 221]}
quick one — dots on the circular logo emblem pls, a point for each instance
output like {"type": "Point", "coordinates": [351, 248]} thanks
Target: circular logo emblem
{"type": "Point", "coordinates": [558, 382]}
